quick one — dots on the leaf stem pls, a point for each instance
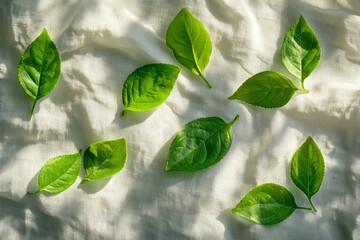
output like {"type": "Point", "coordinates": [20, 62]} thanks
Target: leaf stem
{"type": "Point", "coordinates": [33, 193]}
{"type": "Point", "coordinates": [83, 180]}
{"type": "Point", "coordinates": [32, 109]}
{"type": "Point", "coordinates": [235, 119]}
{"type": "Point", "coordinates": [304, 90]}
{"type": "Point", "coordinates": [304, 208]}
{"type": "Point", "coordinates": [123, 113]}
{"type": "Point", "coordinates": [312, 205]}
{"type": "Point", "coordinates": [205, 80]}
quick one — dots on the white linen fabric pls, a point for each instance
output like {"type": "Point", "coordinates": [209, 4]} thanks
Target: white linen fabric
{"type": "Point", "coordinates": [101, 43]}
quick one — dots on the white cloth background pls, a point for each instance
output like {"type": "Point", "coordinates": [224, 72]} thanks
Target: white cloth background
{"type": "Point", "coordinates": [100, 43]}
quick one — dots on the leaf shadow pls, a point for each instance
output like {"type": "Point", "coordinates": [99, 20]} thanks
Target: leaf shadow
{"type": "Point", "coordinates": [33, 183]}
{"type": "Point", "coordinates": [263, 141]}
{"type": "Point", "coordinates": [131, 118]}
{"type": "Point", "coordinates": [234, 225]}
{"type": "Point", "coordinates": [92, 187]}
{"type": "Point", "coordinates": [20, 107]}
{"type": "Point", "coordinates": [27, 219]}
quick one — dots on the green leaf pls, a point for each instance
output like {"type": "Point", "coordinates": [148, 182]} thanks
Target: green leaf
{"type": "Point", "coordinates": [59, 173]}
{"type": "Point", "coordinates": [149, 86]}
{"type": "Point", "coordinates": [200, 144]}
{"type": "Point", "coordinates": [301, 52]}
{"type": "Point", "coordinates": [190, 42]}
{"type": "Point", "coordinates": [266, 89]}
{"type": "Point", "coordinates": [39, 68]}
{"type": "Point", "coordinates": [267, 204]}
{"type": "Point", "coordinates": [104, 159]}
{"type": "Point", "coordinates": [308, 168]}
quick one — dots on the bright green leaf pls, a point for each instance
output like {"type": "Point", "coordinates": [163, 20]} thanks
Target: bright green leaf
{"type": "Point", "coordinates": [266, 89]}
{"type": "Point", "coordinates": [200, 144]}
{"type": "Point", "coordinates": [267, 204]}
{"type": "Point", "coordinates": [39, 68]}
{"type": "Point", "coordinates": [301, 52]}
{"type": "Point", "coordinates": [190, 42]}
{"type": "Point", "coordinates": [308, 168]}
{"type": "Point", "coordinates": [149, 86]}
{"type": "Point", "coordinates": [104, 159]}
{"type": "Point", "coordinates": [59, 173]}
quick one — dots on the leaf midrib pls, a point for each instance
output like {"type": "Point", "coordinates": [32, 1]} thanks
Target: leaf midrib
{"type": "Point", "coordinates": [41, 68]}
{"type": "Point", "coordinates": [192, 46]}
{"type": "Point", "coordinates": [275, 204]}
{"type": "Point", "coordinates": [302, 50]}
{"type": "Point", "coordinates": [267, 90]}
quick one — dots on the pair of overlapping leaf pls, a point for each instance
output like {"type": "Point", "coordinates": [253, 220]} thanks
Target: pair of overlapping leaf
{"type": "Point", "coordinates": [271, 203]}
{"type": "Point", "coordinates": [101, 160]}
